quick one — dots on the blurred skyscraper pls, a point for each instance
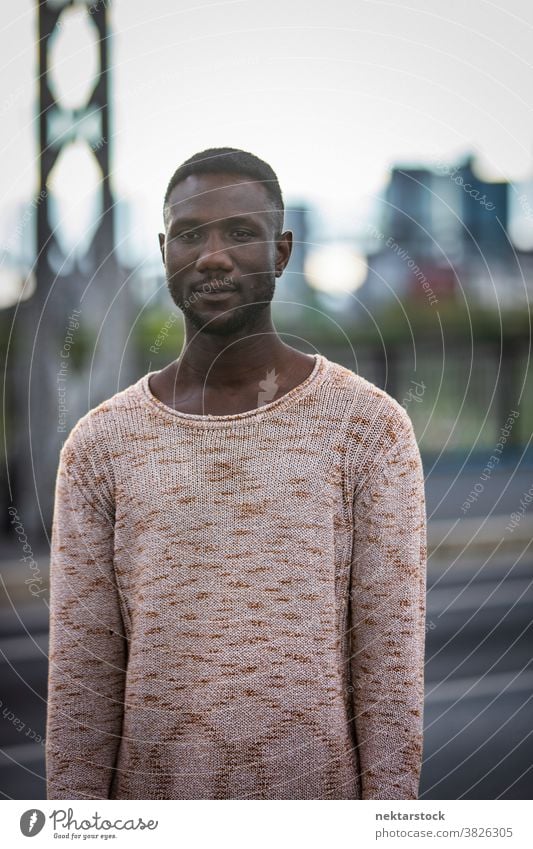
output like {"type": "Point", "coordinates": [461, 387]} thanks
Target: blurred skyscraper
{"type": "Point", "coordinates": [441, 231]}
{"type": "Point", "coordinates": [292, 288]}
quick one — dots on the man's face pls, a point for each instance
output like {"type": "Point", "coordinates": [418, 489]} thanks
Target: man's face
{"type": "Point", "coordinates": [220, 251]}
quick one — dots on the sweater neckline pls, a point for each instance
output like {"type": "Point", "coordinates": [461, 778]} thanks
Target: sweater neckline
{"type": "Point", "coordinates": [271, 408]}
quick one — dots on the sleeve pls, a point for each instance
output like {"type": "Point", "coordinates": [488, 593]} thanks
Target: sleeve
{"type": "Point", "coordinates": [388, 607]}
{"type": "Point", "coordinates": [88, 652]}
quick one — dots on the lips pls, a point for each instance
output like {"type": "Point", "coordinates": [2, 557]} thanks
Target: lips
{"type": "Point", "coordinates": [214, 287]}
{"type": "Point", "coordinates": [215, 296]}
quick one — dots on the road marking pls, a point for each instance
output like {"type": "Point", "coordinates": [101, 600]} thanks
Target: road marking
{"type": "Point", "coordinates": [16, 649]}
{"type": "Point", "coordinates": [482, 685]}
{"type": "Point", "coordinates": [476, 597]}
{"type": "Point", "coordinates": [23, 753]}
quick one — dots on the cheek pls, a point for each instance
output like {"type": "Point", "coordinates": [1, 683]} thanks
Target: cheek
{"type": "Point", "coordinates": [259, 258]}
{"type": "Point", "coordinates": [177, 257]}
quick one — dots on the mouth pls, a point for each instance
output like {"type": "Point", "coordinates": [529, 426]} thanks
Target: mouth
{"type": "Point", "coordinates": [214, 289]}
{"type": "Point", "coordinates": [217, 295]}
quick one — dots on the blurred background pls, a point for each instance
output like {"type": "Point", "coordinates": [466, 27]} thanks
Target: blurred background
{"type": "Point", "coordinates": [402, 136]}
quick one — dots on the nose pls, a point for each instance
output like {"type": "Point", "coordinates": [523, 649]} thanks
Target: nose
{"type": "Point", "coordinates": [214, 255]}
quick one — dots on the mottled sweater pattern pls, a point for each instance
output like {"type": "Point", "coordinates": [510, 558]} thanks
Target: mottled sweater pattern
{"type": "Point", "coordinates": [238, 602]}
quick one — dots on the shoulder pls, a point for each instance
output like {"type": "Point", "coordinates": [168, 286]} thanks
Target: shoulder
{"type": "Point", "coordinates": [97, 430]}
{"type": "Point", "coordinates": [377, 421]}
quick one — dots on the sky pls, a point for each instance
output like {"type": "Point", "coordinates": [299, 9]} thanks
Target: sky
{"type": "Point", "coordinates": [330, 94]}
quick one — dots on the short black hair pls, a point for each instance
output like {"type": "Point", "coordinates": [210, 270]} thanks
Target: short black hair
{"type": "Point", "coordinates": [230, 160]}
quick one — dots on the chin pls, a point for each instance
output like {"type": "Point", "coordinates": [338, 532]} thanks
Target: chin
{"type": "Point", "coordinates": [221, 325]}
{"type": "Point", "coordinates": [242, 319]}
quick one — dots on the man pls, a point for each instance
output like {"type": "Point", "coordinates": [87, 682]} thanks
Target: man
{"type": "Point", "coordinates": [238, 547]}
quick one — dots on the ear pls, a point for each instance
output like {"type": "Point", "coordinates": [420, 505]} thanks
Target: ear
{"type": "Point", "coordinates": [161, 237]}
{"type": "Point", "coordinates": [283, 251]}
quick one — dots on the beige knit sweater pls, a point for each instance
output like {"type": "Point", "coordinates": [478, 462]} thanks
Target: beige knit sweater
{"type": "Point", "coordinates": [238, 601]}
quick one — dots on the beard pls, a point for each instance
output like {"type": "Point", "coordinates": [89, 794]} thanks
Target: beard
{"type": "Point", "coordinates": [241, 318]}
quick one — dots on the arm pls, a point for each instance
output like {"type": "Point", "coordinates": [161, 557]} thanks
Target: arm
{"type": "Point", "coordinates": [87, 646]}
{"type": "Point", "coordinates": [388, 605]}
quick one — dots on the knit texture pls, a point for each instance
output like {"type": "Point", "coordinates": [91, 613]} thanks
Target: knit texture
{"type": "Point", "coordinates": [238, 601]}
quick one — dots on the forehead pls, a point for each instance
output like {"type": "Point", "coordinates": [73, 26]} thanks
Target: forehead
{"type": "Point", "coordinates": [208, 196]}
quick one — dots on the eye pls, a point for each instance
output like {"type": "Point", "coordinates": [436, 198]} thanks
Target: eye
{"type": "Point", "coordinates": [187, 235]}
{"type": "Point", "coordinates": [242, 234]}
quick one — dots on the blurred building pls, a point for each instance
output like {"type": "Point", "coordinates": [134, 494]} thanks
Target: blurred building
{"type": "Point", "coordinates": [444, 233]}
{"type": "Point", "coordinates": [294, 297]}
{"type": "Point", "coordinates": [293, 286]}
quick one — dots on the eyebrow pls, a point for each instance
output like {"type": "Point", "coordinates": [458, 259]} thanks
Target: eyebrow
{"type": "Point", "coordinates": [250, 218]}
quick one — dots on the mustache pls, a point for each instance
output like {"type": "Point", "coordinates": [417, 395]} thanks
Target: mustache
{"type": "Point", "coordinates": [211, 284]}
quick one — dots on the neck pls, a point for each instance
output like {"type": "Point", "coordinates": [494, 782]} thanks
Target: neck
{"type": "Point", "coordinates": [231, 360]}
